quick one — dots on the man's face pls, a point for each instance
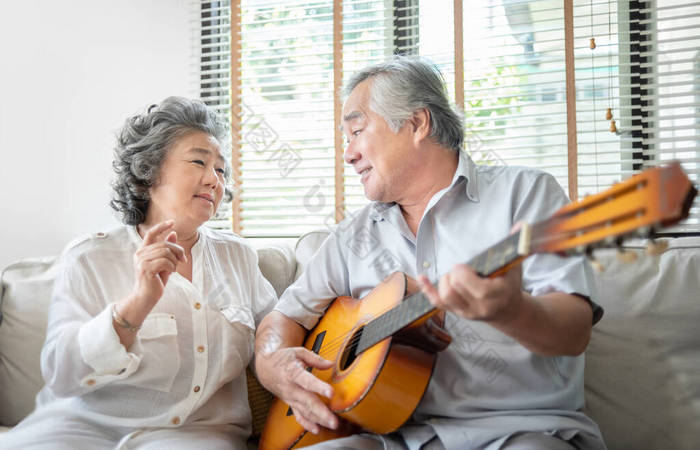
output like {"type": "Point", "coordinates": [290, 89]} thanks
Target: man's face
{"type": "Point", "coordinates": [385, 160]}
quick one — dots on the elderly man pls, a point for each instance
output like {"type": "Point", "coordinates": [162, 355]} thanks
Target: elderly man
{"type": "Point", "coordinates": [432, 209]}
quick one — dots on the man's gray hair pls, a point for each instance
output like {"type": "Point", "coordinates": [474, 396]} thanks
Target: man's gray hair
{"type": "Point", "coordinates": [143, 143]}
{"type": "Point", "coordinates": [403, 85]}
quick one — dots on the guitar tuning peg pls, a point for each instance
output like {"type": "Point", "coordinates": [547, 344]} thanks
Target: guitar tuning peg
{"type": "Point", "coordinates": [655, 248]}
{"type": "Point", "coordinates": [626, 256]}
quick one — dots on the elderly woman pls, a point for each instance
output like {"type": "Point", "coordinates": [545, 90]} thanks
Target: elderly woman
{"type": "Point", "coordinates": [151, 324]}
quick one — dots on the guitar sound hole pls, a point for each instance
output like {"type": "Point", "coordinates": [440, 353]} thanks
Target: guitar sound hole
{"type": "Point", "coordinates": [350, 352]}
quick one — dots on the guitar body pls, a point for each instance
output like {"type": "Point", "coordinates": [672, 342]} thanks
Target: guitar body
{"type": "Point", "coordinates": [378, 390]}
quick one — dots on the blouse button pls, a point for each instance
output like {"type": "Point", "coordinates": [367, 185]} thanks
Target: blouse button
{"type": "Point", "coordinates": [175, 421]}
{"type": "Point", "coordinates": [200, 349]}
{"type": "Point", "coordinates": [196, 388]}
{"type": "Point", "coordinates": [197, 305]}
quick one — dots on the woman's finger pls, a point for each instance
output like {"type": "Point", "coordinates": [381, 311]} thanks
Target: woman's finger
{"type": "Point", "coordinates": [158, 266]}
{"type": "Point", "coordinates": [153, 254]}
{"type": "Point", "coordinates": [152, 234]}
{"type": "Point", "coordinates": [177, 250]}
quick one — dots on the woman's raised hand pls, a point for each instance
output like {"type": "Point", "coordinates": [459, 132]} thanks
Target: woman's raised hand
{"type": "Point", "coordinates": [155, 261]}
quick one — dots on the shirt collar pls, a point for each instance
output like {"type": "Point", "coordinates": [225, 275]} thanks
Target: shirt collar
{"type": "Point", "coordinates": [466, 169]}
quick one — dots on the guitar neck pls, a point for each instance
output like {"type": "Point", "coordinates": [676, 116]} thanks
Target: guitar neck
{"type": "Point", "coordinates": [491, 262]}
{"type": "Point", "coordinates": [649, 200]}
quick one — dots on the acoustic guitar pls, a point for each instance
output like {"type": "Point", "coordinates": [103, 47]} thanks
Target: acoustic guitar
{"type": "Point", "coordinates": [385, 345]}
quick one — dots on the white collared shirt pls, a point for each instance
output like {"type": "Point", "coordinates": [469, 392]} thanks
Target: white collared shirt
{"type": "Point", "coordinates": [485, 385]}
{"type": "Point", "coordinates": [187, 364]}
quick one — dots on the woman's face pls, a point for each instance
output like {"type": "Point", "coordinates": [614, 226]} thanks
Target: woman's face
{"type": "Point", "coordinates": [191, 182]}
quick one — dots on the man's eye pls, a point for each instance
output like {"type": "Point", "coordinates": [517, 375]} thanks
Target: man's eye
{"type": "Point", "coordinates": [198, 161]}
{"type": "Point", "coordinates": [221, 171]}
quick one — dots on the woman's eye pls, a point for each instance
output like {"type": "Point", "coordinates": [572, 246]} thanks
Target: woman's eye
{"type": "Point", "coordinates": [356, 132]}
{"type": "Point", "coordinates": [221, 171]}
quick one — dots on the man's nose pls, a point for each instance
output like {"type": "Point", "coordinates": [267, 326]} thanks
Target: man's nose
{"type": "Point", "coordinates": [350, 155]}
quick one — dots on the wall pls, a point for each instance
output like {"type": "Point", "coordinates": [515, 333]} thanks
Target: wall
{"type": "Point", "coordinates": [70, 74]}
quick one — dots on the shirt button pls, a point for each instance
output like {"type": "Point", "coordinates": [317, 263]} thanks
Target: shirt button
{"type": "Point", "coordinates": [200, 349]}
{"type": "Point", "coordinates": [196, 388]}
{"type": "Point", "coordinates": [175, 421]}
{"type": "Point", "coordinates": [426, 264]}
{"type": "Point", "coordinates": [90, 382]}
{"type": "Point", "coordinates": [197, 305]}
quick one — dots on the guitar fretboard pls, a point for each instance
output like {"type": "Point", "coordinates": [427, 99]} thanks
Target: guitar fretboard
{"type": "Point", "coordinates": [417, 305]}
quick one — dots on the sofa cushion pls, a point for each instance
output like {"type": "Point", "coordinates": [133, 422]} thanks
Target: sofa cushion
{"type": "Point", "coordinates": [278, 266]}
{"type": "Point", "coordinates": [26, 292]}
{"type": "Point", "coordinates": [643, 362]}
{"type": "Point", "coordinates": [306, 246]}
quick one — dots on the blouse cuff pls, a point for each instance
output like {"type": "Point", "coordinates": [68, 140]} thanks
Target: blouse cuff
{"type": "Point", "coordinates": [102, 350]}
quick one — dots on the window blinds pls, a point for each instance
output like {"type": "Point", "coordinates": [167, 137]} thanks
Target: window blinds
{"type": "Point", "coordinates": [668, 88]}
{"type": "Point", "coordinates": [644, 67]}
{"type": "Point", "coordinates": [515, 84]}
{"type": "Point", "coordinates": [215, 76]}
{"type": "Point", "coordinates": [284, 132]}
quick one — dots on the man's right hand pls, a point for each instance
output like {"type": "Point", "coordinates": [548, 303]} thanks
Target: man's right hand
{"type": "Point", "coordinates": [282, 369]}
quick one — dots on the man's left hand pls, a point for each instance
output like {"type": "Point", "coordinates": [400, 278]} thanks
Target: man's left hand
{"type": "Point", "coordinates": [468, 295]}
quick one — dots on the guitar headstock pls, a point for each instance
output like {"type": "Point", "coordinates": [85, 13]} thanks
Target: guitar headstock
{"type": "Point", "coordinates": [645, 202]}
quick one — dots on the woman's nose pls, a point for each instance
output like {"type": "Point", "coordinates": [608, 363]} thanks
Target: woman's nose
{"type": "Point", "coordinates": [211, 176]}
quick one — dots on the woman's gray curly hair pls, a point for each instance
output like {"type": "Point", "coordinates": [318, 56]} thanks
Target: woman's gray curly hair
{"type": "Point", "coordinates": [143, 143]}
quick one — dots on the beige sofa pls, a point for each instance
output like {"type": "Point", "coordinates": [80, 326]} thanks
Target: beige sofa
{"type": "Point", "coordinates": [643, 363]}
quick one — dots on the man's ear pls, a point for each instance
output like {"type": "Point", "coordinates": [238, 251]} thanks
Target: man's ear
{"type": "Point", "coordinates": [420, 123]}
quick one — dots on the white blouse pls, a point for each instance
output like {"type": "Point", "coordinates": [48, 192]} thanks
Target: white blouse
{"type": "Point", "coordinates": [187, 364]}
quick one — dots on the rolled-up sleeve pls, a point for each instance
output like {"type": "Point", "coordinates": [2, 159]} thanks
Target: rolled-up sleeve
{"type": "Point", "coordinates": [544, 273]}
{"type": "Point", "coordinates": [82, 351]}
{"type": "Point", "coordinates": [324, 279]}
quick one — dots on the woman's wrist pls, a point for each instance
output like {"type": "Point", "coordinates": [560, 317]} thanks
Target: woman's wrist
{"type": "Point", "coordinates": [131, 312]}
{"type": "Point", "coordinates": [122, 322]}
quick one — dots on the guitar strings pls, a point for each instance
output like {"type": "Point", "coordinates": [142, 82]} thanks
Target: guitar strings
{"type": "Point", "coordinates": [339, 341]}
